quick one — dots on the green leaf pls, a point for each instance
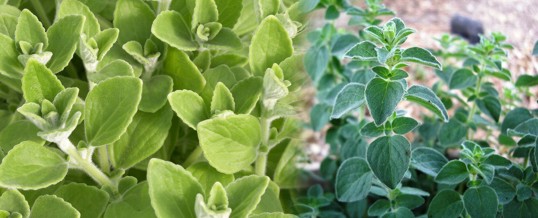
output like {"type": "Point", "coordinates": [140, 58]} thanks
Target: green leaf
{"type": "Point", "coordinates": [462, 78]}
{"type": "Point", "coordinates": [293, 69]}
{"type": "Point", "coordinates": [205, 11]}
{"type": "Point", "coordinates": [229, 12]}
{"type": "Point", "coordinates": [371, 130]}
{"type": "Point", "coordinates": [63, 44]}
{"type": "Point", "coordinates": [154, 93]}
{"type": "Point", "coordinates": [427, 98]}
{"type": "Point", "coordinates": [135, 202]}
{"type": "Point", "coordinates": [105, 40]}
{"type": "Point", "coordinates": [30, 29]}
{"type": "Point", "coordinates": [353, 180]}
{"type": "Point", "coordinates": [528, 127]}
{"type": "Point", "coordinates": [17, 132]}
{"type": "Point", "coordinates": [428, 160]}
{"type": "Point", "coordinates": [316, 60]}
{"type": "Point", "coordinates": [535, 49]}
{"type": "Point", "coordinates": [454, 172]}
{"type": "Point", "coordinates": [88, 200]}
{"type": "Point", "coordinates": [319, 116]}
{"type": "Point", "coordinates": [389, 158]}
{"type": "Point", "coordinates": [504, 190]}
{"type": "Point", "coordinates": [183, 71]}
{"type": "Point", "coordinates": [245, 193]}
{"type": "Point", "coordinates": [270, 200]}
{"type": "Point", "coordinates": [421, 56]}
{"type": "Point", "coordinates": [446, 204]}
{"type": "Point", "coordinates": [491, 106]}
{"type": "Point", "coordinates": [403, 125]}
{"type": "Point", "coordinates": [207, 175]}
{"type": "Point", "coordinates": [272, 215]}
{"type": "Point", "coordinates": [401, 212]}
{"type": "Point", "coordinates": [518, 209]}
{"type": "Point", "coordinates": [222, 99]}
{"type": "Point", "coordinates": [230, 142]}
{"type": "Point", "coordinates": [144, 136]}
{"type": "Point", "coordinates": [409, 201]}
{"type": "Point", "coordinates": [170, 27]}
{"type": "Point", "coordinates": [9, 64]}
{"type": "Point", "coordinates": [527, 80]}
{"type": "Point", "coordinates": [270, 44]}
{"type": "Point", "coordinates": [175, 195]}
{"type": "Point", "coordinates": [115, 68]}
{"type": "Point", "coordinates": [452, 133]}
{"type": "Point", "coordinates": [110, 107]}
{"type": "Point", "coordinates": [189, 106]}
{"type": "Point", "coordinates": [286, 174]}
{"type": "Point", "coordinates": [31, 166]}
{"type": "Point", "coordinates": [379, 207]}
{"type": "Point", "coordinates": [50, 206]}
{"type": "Point", "coordinates": [74, 7]}
{"type": "Point", "coordinates": [134, 19]}
{"type": "Point", "coordinates": [269, 7]}
{"type": "Point", "coordinates": [225, 39]}
{"type": "Point", "coordinates": [8, 25]}
{"type": "Point", "coordinates": [348, 99]}
{"type": "Point", "coordinates": [246, 94]}
{"type": "Point", "coordinates": [480, 201]}
{"type": "Point", "coordinates": [13, 201]}
{"type": "Point", "coordinates": [215, 75]}
{"type": "Point", "coordinates": [382, 97]}
{"type": "Point", "coordinates": [364, 51]}
{"type": "Point", "coordinates": [39, 83]}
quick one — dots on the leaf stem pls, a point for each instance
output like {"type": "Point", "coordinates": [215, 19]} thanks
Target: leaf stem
{"type": "Point", "coordinates": [85, 164]}
{"type": "Point", "coordinates": [104, 163]}
{"type": "Point", "coordinates": [261, 161]}
{"type": "Point", "coordinates": [474, 107]}
{"type": "Point", "coordinates": [193, 157]}
{"type": "Point", "coordinates": [41, 13]}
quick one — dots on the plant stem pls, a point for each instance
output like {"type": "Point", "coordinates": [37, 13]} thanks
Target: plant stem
{"type": "Point", "coordinates": [103, 22]}
{"type": "Point", "coordinates": [474, 107]}
{"type": "Point", "coordinates": [102, 154]}
{"type": "Point", "coordinates": [193, 157]}
{"type": "Point", "coordinates": [261, 161]}
{"type": "Point", "coordinates": [86, 165]}
{"type": "Point", "coordinates": [41, 13]}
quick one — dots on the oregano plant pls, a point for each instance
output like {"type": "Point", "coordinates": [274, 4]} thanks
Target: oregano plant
{"type": "Point", "coordinates": [135, 108]}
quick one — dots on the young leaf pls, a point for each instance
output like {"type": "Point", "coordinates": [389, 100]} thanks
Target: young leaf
{"type": "Point", "coordinates": [452, 133]}
{"type": "Point", "coordinates": [175, 195]}
{"type": "Point", "coordinates": [480, 201]}
{"type": "Point", "coordinates": [183, 71]}
{"type": "Point", "coordinates": [133, 147]}
{"type": "Point", "coordinates": [246, 94]}
{"type": "Point", "coordinates": [382, 97]}
{"type": "Point", "coordinates": [63, 43]}
{"type": "Point", "coordinates": [427, 98]}
{"type": "Point", "coordinates": [13, 201]}
{"type": "Point", "coordinates": [316, 60]}
{"type": "Point", "coordinates": [31, 166]}
{"type": "Point", "coordinates": [348, 99]}
{"type": "Point", "coordinates": [75, 7]}
{"type": "Point", "coordinates": [225, 39]}
{"type": "Point", "coordinates": [452, 173]}
{"type": "Point", "coordinates": [270, 44]}
{"type": "Point", "coordinates": [364, 51]}
{"type": "Point", "coordinates": [400, 212]}
{"type": "Point", "coordinates": [428, 160]}
{"type": "Point", "coordinates": [205, 11]}
{"type": "Point", "coordinates": [50, 206]}
{"type": "Point", "coordinates": [222, 99]}
{"type": "Point", "coordinates": [270, 200]}
{"type": "Point", "coordinates": [403, 125]}
{"type": "Point", "coordinates": [189, 106]}
{"type": "Point", "coordinates": [379, 207]}
{"type": "Point", "coordinates": [230, 142]}
{"type": "Point", "coordinates": [421, 56]}
{"type": "Point", "coordinates": [446, 203]}
{"type": "Point", "coordinates": [17, 132]}
{"type": "Point", "coordinates": [170, 27]}
{"type": "Point", "coordinates": [110, 107]}
{"type": "Point", "coordinates": [134, 19]}
{"type": "Point", "coordinates": [135, 202]}
{"type": "Point", "coordinates": [245, 193]}
{"type": "Point", "coordinates": [116, 68]}
{"type": "Point", "coordinates": [353, 180]}
{"type": "Point", "coordinates": [154, 93]}
{"type": "Point", "coordinates": [389, 158]}
{"type": "Point", "coordinates": [39, 83]}
{"type": "Point", "coordinates": [371, 130]}
{"type": "Point", "coordinates": [88, 200]}
{"type": "Point", "coordinates": [105, 40]}
{"type": "Point", "coordinates": [462, 79]}
{"type": "Point", "coordinates": [527, 81]}
{"type": "Point", "coordinates": [30, 29]}
{"type": "Point", "coordinates": [207, 175]}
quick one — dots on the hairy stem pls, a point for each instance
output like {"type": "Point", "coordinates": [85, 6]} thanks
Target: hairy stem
{"type": "Point", "coordinates": [85, 164]}
{"type": "Point", "coordinates": [104, 163]}
{"type": "Point", "coordinates": [261, 161]}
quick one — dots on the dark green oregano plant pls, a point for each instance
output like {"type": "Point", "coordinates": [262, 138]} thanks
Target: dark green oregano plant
{"type": "Point", "coordinates": [135, 108]}
{"type": "Point", "coordinates": [454, 166]}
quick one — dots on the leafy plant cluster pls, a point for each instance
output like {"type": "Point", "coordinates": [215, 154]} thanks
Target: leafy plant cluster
{"type": "Point", "coordinates": [132, 108]}
{"type": "Point", "coordinates": [478, 162]}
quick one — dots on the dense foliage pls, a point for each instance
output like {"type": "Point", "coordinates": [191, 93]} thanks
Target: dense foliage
{"type": "Point", "coordinates": [478, 162]}
{"type": "Point", "coordinates": [134, 108]}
